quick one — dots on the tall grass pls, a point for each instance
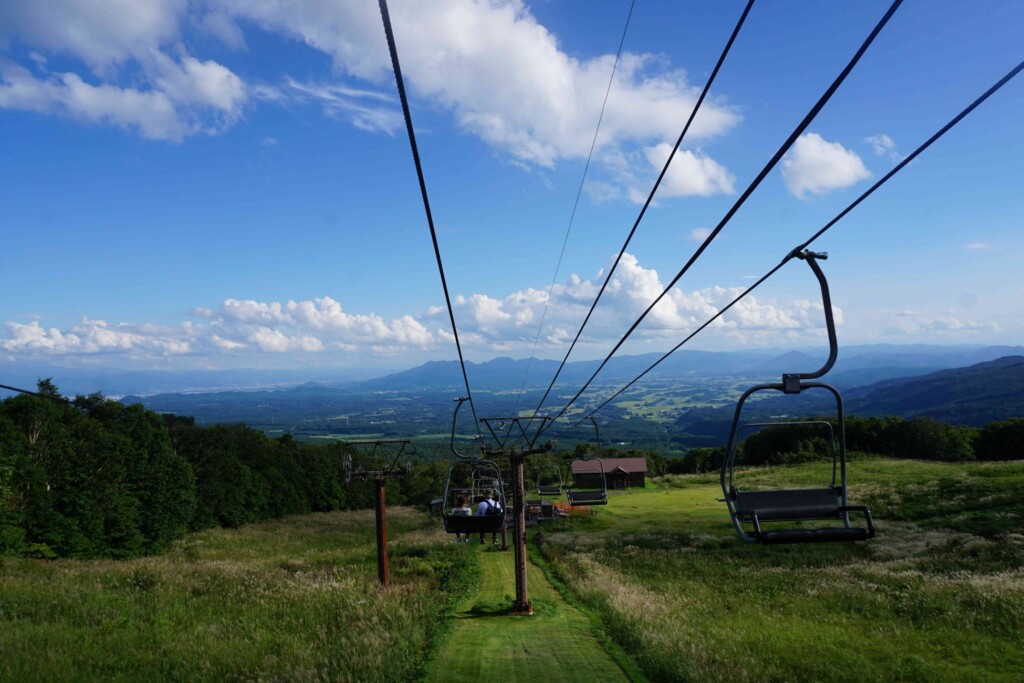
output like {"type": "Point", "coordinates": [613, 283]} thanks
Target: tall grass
{"type": "Point", "coordinates": [292, 599]}
{"type": "Point", "coordinates": [938, 596]}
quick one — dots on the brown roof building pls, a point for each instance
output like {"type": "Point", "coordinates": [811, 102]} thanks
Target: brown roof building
{"type": "Point", "coordinates": [619, 473]}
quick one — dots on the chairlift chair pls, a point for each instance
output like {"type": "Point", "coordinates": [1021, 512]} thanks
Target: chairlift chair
{"type": "Point", "coordinates": [592, 495]}
{"type": "Point", "coordinates": [828, 503]}
{"type": "Point", "coordinates": [464, 475]}
{"type": "Point", "coordinates": [459, 482]}
{"type": "Point", "coordinates": [549, 489]}
{"type": "Point", "coordinates": [578, 496]}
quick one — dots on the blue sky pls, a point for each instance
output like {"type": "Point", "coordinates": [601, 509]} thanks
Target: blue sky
{"type": "Point", "coordinates": [223, 183]}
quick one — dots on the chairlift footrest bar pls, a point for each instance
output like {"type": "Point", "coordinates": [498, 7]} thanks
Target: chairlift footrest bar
{"type": "Point", "coordinates": [823, 535]}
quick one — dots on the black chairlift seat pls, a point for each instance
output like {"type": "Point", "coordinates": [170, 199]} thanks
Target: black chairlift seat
{"type": "Point", "coordinates": [549, 489]}
{"type": "Point", "coordinates": [582, 497]}
{"type": "Point", "coordinates": [797, 505]}
{"type": "Point", "coordinates": [473, 524]}
{"type": "Point", "coordinates": [588, 496]}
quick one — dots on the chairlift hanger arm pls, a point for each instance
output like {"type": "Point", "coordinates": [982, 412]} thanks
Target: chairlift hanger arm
{"type": "Point", "coordinates": [501, 429]}
{"type": "Point", "coordinates": [455, 417]}
{"type": "Point", "coordinates": [789, 379]}
{"type": "Point", "coordinates": [390, 469]}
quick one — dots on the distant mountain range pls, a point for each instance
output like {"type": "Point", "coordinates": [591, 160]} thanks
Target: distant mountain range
{"type": "Point", "coordinates": [974, 396]}
{"type": "Point", "coordinates": [857, 365]}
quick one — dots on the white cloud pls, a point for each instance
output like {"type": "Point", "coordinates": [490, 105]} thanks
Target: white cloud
{"type": "Point", "coordinates": [487, 324]}
{"type": "Point", "coordinates": [366, 109]}
{"type": "Point", "coordinates": [689, 174]}
{"type": "Point", "coordinates": [454, 52]}
{"type": "Point", "coordinates": [909, 323]}
{"type": "Point", "coordinates": [699, 234]}
{"type": "Point", "coordinates": [151, 114]}
{"type": "Point", "coordinates": [978, 246]}
{"type": "Point", "coordinates": [816, 166]}
{"type": "Point", "coordinates": [135, 83]}
{"type": "Point", "coordinates": [510, 323]}
{"type": "Point", "coordinates": [102, 33]}
{"type": "Point", "coordinates": [92, 337]}
{"type": "Point", "coordinates": [881, 144]}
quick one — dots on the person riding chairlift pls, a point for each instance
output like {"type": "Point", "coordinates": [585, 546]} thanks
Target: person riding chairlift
{"type": "Point", "coordinates": [489, 506]}
{"type": "Point", "coordinates": [462, 510]}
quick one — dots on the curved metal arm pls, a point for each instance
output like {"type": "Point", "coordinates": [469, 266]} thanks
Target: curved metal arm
{"type": "Point", "coordinates": [597, 437]}
{"type": "Point", "coordinates": [455, 416]}
{"type": "Point", "coordinates": [830, 324]}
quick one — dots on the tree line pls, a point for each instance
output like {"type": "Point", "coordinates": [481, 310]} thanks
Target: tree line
{"type": "Point", "coordinates": [93, 477]}
{"type": "Point", "coordinates": [921, 438]}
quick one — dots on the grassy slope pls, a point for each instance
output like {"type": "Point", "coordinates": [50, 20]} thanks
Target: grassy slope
{"type": "Point", "coordinates": [939, 595]}
{"type": "Point", "coordinates": [289, 599]}
{"type": "Point", "coordinates": [487, 643]}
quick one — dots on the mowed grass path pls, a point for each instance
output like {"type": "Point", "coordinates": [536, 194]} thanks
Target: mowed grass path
{"type": "Point", "coordinates": [488, 643]}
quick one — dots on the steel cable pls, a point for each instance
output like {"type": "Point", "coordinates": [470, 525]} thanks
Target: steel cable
{"type": "Point", "coordinates": [819, 105]}
{"type": "Point", "coordinates": [423, 191]}
{"type": "Point", "coordinates": [867, 193]}
{"type": "Point", "coordinates": [650, 198]}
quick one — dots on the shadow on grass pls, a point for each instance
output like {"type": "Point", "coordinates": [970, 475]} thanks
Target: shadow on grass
{"type": "Point", "coordinates": [480, 610]}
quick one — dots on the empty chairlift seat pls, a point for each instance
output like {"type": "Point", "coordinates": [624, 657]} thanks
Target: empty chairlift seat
{"type": "Point", "coordinates": [750, 510]}
{"type": "Point", "coordinates": [549, 480]}
{"type": "Point", "coordinates": [588, 487]}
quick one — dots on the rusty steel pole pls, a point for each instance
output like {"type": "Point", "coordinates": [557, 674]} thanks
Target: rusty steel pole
{"type": "Point", "coordinates": [522, 605]}
{"type": "Point", "coordinates": [382, 533]}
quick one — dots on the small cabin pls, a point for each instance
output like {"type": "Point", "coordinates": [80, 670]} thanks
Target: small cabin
{"type": "Point", "coordinates": [619, 473]}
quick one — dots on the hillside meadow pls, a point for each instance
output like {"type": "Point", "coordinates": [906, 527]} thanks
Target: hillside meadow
{"type": "Point", "coordinates": [656, 579]}
{"type": "Point", "coordinates": [938, 595]}
{"type": "Point", "coordinates": [291, 599]}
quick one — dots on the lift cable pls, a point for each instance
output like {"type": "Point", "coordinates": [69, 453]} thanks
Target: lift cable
{"type": "Point", "coordinates": [423, 191]}
{"type": "Point", "coordinates": [896, 169]}
{"type": "Point", "coordinates": [650, 198]}
{"type": "Point", "coordinates": [739, 202]}
{"type": "Point", "coordinates": [572, 216]}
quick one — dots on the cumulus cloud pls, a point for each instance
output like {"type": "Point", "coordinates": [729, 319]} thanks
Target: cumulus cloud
{"type": "Point", "coordinates": [94, 337]}
{"type": "Point", "coordinates": [487, 324]}
{"type": "Point", "coordinates": [455, 51]}
{"type": "Point", "coordinates": [139, 76]}
{"type": "Point", "coordinates": [689, 174]}
{"type": "Point", "coordinates": [816, 166]}
{"type": "Point", "coordinates": [510, 323]}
